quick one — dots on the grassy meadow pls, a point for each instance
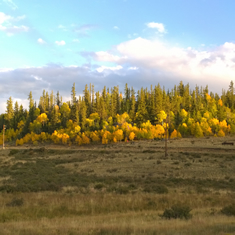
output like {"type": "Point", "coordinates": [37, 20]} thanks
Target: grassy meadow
{"type": "Point", "coordinates": [121, 188]}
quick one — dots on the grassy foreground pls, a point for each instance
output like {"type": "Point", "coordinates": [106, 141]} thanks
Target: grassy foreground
{"type": "Point", "coordinates": [118, 189]}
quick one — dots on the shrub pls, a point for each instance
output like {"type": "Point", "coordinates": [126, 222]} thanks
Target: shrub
{"type": "Point", "coordinates": [15, 202]}
{"type": "Point", "coordinates": [229, 210]}
{"type": "Point", "coordinates": [177, 211]}
{"type": "Point", "coordinates": [35, 143]}
{"type": "Point", "coordinates": [122, 190]}
{"type": "Point", "coordinates": [159, 189]}
{"type": "Point", "coordinates": [98, 186]}
{"type": "Point", "coordinates": [13, 151]}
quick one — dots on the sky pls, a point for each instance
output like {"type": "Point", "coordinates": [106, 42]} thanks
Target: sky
{"type": "Point", "coordinates": [49, 45]}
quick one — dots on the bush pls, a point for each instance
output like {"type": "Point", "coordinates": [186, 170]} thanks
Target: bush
{"type": "Point", "coordinates": [159, 189]}
{"type": "Point", "coordinates": [15, 202]}
{"type": "Point", "coordinates": [13, 151]}
{"type": "Point", "coordinates": [98, 186]}
{"type": "Point", "coordinates": [122, 190]}
{"type": "Point", "coordinates": [177, 211]}
{"type": "Point", "coordinates": [229, 210]}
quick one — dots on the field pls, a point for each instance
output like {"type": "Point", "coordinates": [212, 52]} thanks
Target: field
{"type": "Point", "coordinates": [121, 188]}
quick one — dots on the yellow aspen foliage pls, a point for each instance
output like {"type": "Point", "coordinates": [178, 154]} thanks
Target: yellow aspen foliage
{"type": "Point", "coordinates": [27, 138]}
{"type": "Point", "coordinates": [65, 138]}
{"type": "Point", "coordinates": [19, 142]}
{"type": "Point", "coordinates": [34, 137]}
{"type": "Point", "coordinates": [94, 116]}
{"type": "Point", "coordinates": [43, 136]}
{"type": "Point", "coordinates": [161, 116]}
{"type": "Point", "coordinates": [114, 140]}
{"type": "Point", "coordinates": [85, 139]}
{"type": "Point", "coordinates": [220, 102]}
{"type": "Point", "coordinates": [183, 114]}
{"type": "Point", "coordinates": [118, 135]}
{"type": "Point", "coordinates": [42, 118]}
{"type": "Point", "coordinates": [165, 125]}
{"type": "Point", "coordinates": [110, 121]}
{"type": "Point", "coordinates": [198, 130]}
{"type": "Point", "coordinates": [78, 140]}
{"type": "Point", "coordinates": [179, 135]}
{"type": "Point", "coordinates": [126, 127]}
{"type": "Point", "coordinates": [208, 97]}
{"type": "Point", "coordinates": [214, 121]}
{"type": "Point", "coordinates": [106, 136]}
{"type": "Point", "coordinates": [126, 139]}
{"type": "Point", "coordinates": [104, 140]}
{"type": "Point", "coordinates": [174, 134]}
{"type": "Point", "coordinates": [220, 133]}
{"type": "Point", "coordinates": [205, 127]}
{"type": "Point", "coordinates": [158, 131]}
{"type": "Point", "coordinates": [20, 125]}
{"type": "Point", "coordinates": [94, 137]}
{"type": "Point", "coordinates": [89, 122]}
{"type": "Point", "coordinates": [206, 115]}
{"type": "Point", "coordinates": [10, 134]}
{"type": "Point", "coordinates": [123, 118]}
{"type": "Point", "coordinates": [147, 125]}
{"type": "Point", "coordinates": [131, 136]}
{"type": "Point", "coordinates": [214, 124]}
{"type": "Point", "coordinates": [223, 126]}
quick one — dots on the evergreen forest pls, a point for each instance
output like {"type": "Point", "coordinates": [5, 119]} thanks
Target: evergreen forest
{"type": "Point", "coordinates": [113, 116]}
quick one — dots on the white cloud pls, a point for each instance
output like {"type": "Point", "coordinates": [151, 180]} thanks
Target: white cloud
{"type": "Point", "coordinates": [7, 26]}
{"type": "Point", "coordinates": [159, 26]}
{"type": "Point", "coordinates": [116, 27]}
{"type": "Point", "coordinates": [133, 68]}
{"type": "Point", "coordinates": [187, 64]}
{"type": "Point", "coordinates": [106, 56]}
{"type": "Point", "coordinates": [36, 78]}
{"type": "Point", "coordinates": [41, 41]}
{"type": "Point", "coordinates": [102, 68]}
{"type": "Point", "coordinates": [4, 17]}
{"type": "Point", "coordinates": [60, 43]}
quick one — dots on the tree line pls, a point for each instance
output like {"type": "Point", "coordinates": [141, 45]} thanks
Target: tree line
{"type": "Point", "coordinates": [191, 112]}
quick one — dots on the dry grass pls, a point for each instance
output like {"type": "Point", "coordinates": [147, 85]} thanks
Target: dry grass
{"type": "Point", "coordinates": [127, 223]}
{"type": "Point", "coordinates": [117, 189]}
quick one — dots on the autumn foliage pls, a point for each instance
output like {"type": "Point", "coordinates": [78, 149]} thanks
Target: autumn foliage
{"type": "Point", "coordinates": [112, 117]}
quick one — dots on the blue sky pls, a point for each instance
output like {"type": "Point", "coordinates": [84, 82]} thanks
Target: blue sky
{"type": "Point", "coordinates": [52, 44]}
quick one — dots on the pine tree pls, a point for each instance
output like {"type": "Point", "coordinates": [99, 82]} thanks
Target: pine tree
{"type": "Point", "coordinates": [133, 105]}
{"type": "Point", "coordinates": [74, 115]}
{"type": "Point", "coordinates": [83, 115]}
{"type": "Point", "coordinates": [231, 95]}
{"type": "Point", "coordinates": [141, 115]}
{"type": "Point", "coordinates": [9, 113]}
{"type": "Point", "coordinates": [58, 102]}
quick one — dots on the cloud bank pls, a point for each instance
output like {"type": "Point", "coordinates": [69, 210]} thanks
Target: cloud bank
{"type": "Point", "coordinates": [139, 62]}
